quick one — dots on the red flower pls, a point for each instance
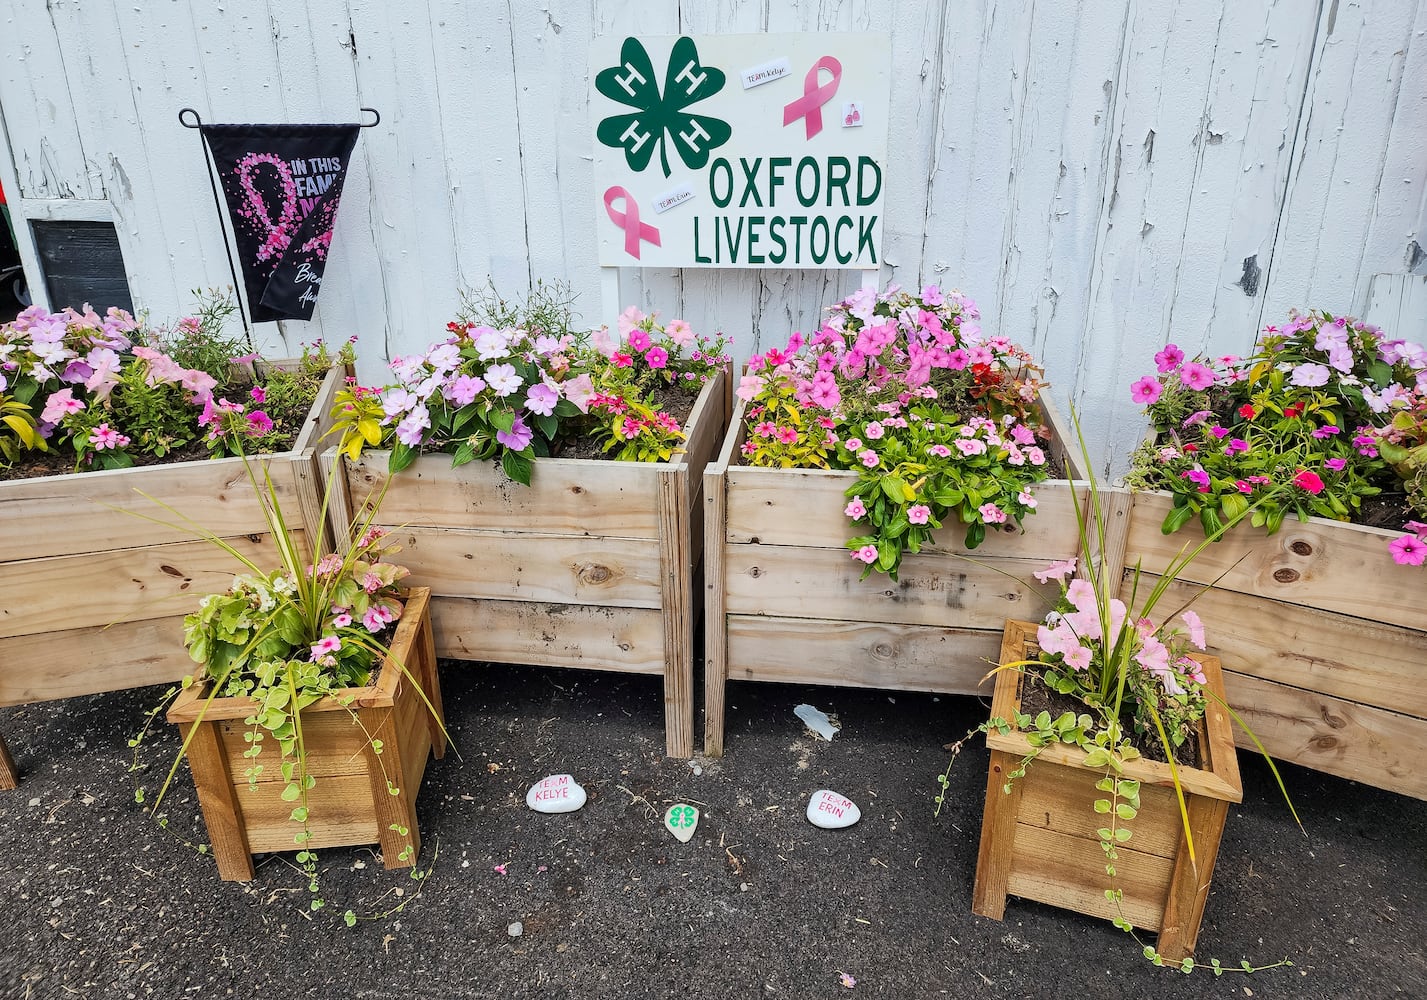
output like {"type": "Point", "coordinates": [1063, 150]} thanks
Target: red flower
{"type": "Point", "coordinates": [1247, 411]}
{"type": "Point", "coordinates": [1191, 447]}
{"type": "Point", "coordinates": [1309, 481]}
{"type": "Point", "coordinates": [1293, 411]}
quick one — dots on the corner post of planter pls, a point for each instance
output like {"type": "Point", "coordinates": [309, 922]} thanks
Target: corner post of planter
{"type": "Point", "coordinates": [219, 800]}
{"type": "Point", "coordinates": [425, 648]}
{"type": "Point", "coordinates": [379, 723]}
{"type": "Point", "coordinates": [998, 838]}
{"type": "Point", "coordinates": [1188, 889]}
{"type": "Point", "coordinates": [715, 609]}
{"type": "Point", "coordinates": [675, 598]}
{"type": "Point", "coordinates": [307, 483]}
{"type": "Point", "coordinates": [9, 777]}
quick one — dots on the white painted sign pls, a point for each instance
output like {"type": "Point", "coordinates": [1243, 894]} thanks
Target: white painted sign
{"type": "Point", "coordinates": [779, 174]}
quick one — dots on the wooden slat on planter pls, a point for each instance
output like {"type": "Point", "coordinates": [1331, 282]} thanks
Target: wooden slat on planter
{"type": "Point", "coordinates": [596, 637]}
{"type": "Point", "coordinates": [591, 566]}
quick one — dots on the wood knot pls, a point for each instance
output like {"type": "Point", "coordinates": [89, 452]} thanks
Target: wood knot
{"type": "Point", "coordinates": [1333, 721]}
{"type": "Point", "coordinates": [595, 574]}
{"type": "Point", "coordinates": [577, 490]}
{"type": "Point", "coordinates": [1285, 575]}
{"type": "Point", "coordinates": [1301, 548]}
{"type": "Point", "coordinates": [884, 650]}
{"type": "Point", "coordinates": [1324, 742]}
{"type": "Point", "coordinates": [173, 571]}
{"type": "Point", "coordinates": [754, 572]}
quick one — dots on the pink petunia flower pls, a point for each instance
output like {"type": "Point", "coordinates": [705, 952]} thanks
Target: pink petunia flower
{"type": "Point", "coordinates": [1057, 571]}
{"type": "Point", "coordinates": [1409, 550]}
{"type": "Point", "coordinates": [1196, 376]}
{"type": "Point", "coordinates": [1146, 391]}
{"type": "Point", "coordinates": [1168, 359]}
{"type": "Point", "coordinates": [656, 358]}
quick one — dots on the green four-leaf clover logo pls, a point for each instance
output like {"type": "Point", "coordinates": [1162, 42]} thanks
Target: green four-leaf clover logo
{"type": "Point", "coordinates": [661, 120]}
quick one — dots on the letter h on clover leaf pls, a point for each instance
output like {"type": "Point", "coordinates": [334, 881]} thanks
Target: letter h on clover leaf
{"type": "Point", "coordinates": [661, 120]}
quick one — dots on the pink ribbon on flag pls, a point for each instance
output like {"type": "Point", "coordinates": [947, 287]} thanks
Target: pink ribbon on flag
{"type": "Point", "coordinates": [809, 106]}
{"type": "Point", "coordinates": [628, 220]}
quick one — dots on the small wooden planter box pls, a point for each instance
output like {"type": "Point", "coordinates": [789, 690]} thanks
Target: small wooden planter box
{"type": "Point", "coordinates": [784, 601]}
{"type": "Point", "coordinates": [590, 566]}
{"type": "Point", "coordinates": [92, 598]}
{"type": "Point", "coordinates": [1323, 637]}
{"type": "Point", "coordinates": [1039, 841]}
{"type": "Point", "coordinates": [350, 803]}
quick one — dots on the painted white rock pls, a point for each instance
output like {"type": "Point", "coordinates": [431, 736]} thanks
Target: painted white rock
{"type": "Point", "coordinates": [682, 820]}
{"type": "Point", "coordinates": [832, 811]}
{"type": "Point", "coordinates": [558, 793]}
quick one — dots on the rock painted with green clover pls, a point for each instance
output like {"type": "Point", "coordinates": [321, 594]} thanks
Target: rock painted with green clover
{"type": "Point", "coordinates": [681, 820]}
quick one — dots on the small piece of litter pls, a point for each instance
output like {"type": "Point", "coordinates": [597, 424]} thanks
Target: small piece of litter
{"type": "Point", "coordinates": [500, 868]}
{"type": "Point", "coordinates": [846, 980]}
{"type": "Point", "coordinates": [816, 720]}
{"type": "Point", "coordinates": [516, 929]}
{"type": "Point", "coordinates": [698, 770]}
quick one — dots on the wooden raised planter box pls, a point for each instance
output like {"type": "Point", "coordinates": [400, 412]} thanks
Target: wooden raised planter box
{"type": "Point", "coordinates": [350, 803]}
{"type": "Point", "coordinates": [590, 566]}
{"type": "Point", "coordinates": [1039, 841]}
{"type": "Point", "coordinates": [92, 598]}
{"type": "Point", "coordinates": [784, 601]}
{"type": "Point", "coordinates": [1323, 637]}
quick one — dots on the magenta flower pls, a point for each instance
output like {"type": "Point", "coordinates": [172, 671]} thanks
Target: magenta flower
{"type": "Point", "coordinates": [638, 341]}
{"type": "Point", "coordinates": [656, 358]}
{"type": "Point", "coordinates": [824, 391]}
{"type": "Point", "coordinates": [1309, 481]}
{"type": "Point", "coordinates": [919, 513]}
{"type": "Point", "coordinates": [1327, 430]}
{"type": "Point", "coordinates": [1409, 550]}
{"type": "Point", "coordinates": [259, 423]}
{"type": "Point", "coordinates": [1146, 391]}
{"type": "Point", "coordinates": [786, 435]}
{"type": "Point", "coordinates": [1235, 446]}
{"type": "Point", "coordinates": [868, 554]}
{"type": "Point", "coordinates": [1196, 376]}
{"type": "Point", "coordinates": [1168, 359]}
{"type": "Point", "coordinates": [325, 646]}
{"type": "Point", "coordinates": [1198, 477]}
{"type": "Point", "coordinates": [517, 438]}
{"type": "Point", "coordinates": [1336, 464]}
{"type": "Point", "coordinates": [854, 508]}
{"type": "Point", "coordinates": [258, 395]}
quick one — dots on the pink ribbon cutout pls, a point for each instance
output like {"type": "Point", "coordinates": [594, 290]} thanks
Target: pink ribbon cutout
{"type": "Point", "coordinates": [809, 106]}
{"type": "Point", "coordinates": [628, 220]}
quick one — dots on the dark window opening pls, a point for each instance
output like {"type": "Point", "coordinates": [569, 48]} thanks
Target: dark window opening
{"type": "Point", "coordinates": [82, 264]}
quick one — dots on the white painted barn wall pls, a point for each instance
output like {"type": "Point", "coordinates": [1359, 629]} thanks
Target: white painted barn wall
{"type": "Point", "coordinates": [1096, 174]}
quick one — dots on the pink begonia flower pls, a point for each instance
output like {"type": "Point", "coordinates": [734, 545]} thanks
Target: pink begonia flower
{"type": "Point", "coordinates": [991, 514]}
{"type": "Point", "coordinates": [629, 319]}
{"type": "Point", "coordinates": [1196, 376]}
{"type": "Point", "coordinates": [1309, 481]}
{"type": "Point", "coordinates": [919, 513]}
{"type": "Point", "coordinates": [1310, 375]}
{"type": "Point", "coordinates": [1409, 550]}
{"type": "Point", "coordinates": [855, 508]}
{"type": "Point", "coordinates": [1146, 390]}
{"type": "Point", "coordinates": [540, 399]}
{"type": "Point", "coordinates": [868, 554]}
{"type": "Point", "coordinates": [868, 458]}
{"type": "Point", "coordinates": [939, 450]}
{"type": "Point", "coordinates": [603, 341]}
{"type": "Point", "coordinates": [463, 389]}
{"type": "Point", "coordinates": [580, 390]}
{"type": "Point", "coordinates": [1077, 658]}
{"type": "Point", "coordinates": [656, 358]}
{"type": "Point", "coordinates": [105, 436]}
{"type": "Point", "coordinates": [1196, 628]}
{"type": "Point", "coordinates": [1168, 359]}
{"type": "Point", "coordinates": [679, 332]}
{"type": "Point", "coordinates": [874, 431]}
{"type": "Point", "coordinates": [517, 438]}
{"type": "Point", "coordinates": [748, 387]}
{"type": "Point", "coordinates": [1057, 571]}
{"type": "Point", "coordinates": [502, 379]}
{"type": "Point", "coordinates": [325, 646]}
{"type": "Point", "coordinates": [59, 405]}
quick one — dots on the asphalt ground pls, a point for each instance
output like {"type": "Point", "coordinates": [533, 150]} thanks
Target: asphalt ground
{"type": "Point", "coordinates": [98, 901]}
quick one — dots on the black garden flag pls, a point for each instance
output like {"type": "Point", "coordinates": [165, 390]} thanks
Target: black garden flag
{"type": "Point", "coordinates": [282, 184]}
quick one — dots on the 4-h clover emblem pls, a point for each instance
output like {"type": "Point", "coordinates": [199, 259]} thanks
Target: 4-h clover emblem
{"type": "Point", "coordinates": [661, 120]}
